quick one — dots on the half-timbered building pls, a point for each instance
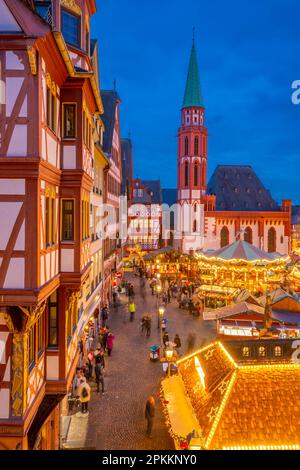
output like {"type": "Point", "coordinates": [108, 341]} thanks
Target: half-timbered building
{"type": "Point", "coordinates": [49, 100]}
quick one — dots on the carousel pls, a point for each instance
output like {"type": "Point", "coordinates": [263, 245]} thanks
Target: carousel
{"type": "Point", "coordinates": [225, 272]}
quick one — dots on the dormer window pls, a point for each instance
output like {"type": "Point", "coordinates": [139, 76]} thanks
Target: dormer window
{"type": "Point", "coordinates": [70, 28]}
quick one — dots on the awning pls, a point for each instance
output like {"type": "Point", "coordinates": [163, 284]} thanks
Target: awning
{"type": "Point", "coordinates": [286, 316]}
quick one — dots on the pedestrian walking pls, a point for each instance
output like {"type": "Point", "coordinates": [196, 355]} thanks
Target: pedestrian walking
{"type": "Point", "coordinates": [99, 378]}
{"type": "Point", "coordinates": [131, 309]}
{"type": "Point", "coordinates": [84, 392]}
{"type": "Point", "coordinates": [148, 326]}
{"type": "Point", "coordinates": [104, 315]}
{"type": "Point", "coordinates": [99, 357]}
{"type": "Point", "coordinates": [110, 343]}
{"type": "Point", "coordinates": [191, 342]}
{"type": "Point", "coordinates": [165, 338]}
{"type": "Point", "coordinates": [149, 415]}
{"type": "Point", "coordinates": [177, 341]}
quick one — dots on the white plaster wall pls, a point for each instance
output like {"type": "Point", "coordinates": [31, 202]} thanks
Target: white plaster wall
{"type": "Point", "coordinates": [3, 338]}
{"type": "Point", "coordinates": [51, 149]}
{"type": "Point", "coordinates": [18, 142]}
{"type": "Point", "coordinates": [20, 243]}
{"type": "Point", "coordinates": [48, 275]}
{"type": "Point", "coordinates": [67, 260]}
{"type": "Point", "coordinates": [12, 61]}
{"type": "Point", "coordinates": [4, 403]}
{"type": "Point", "coordinates": [8, 212]}
{"type": "Point", "coordinates": [12, 186]}
{"type": "Point", "coordinates": [42, 271]}
{"type": "Point", "coordinates": [69, 157]}
{"type": "Point", "coordinates": [7, 21]}
{"type": "Point", "coordinates": [52, 368]}
{"type": "Point", "coordinates": [15, 276]}
{"type": "Point", "coordinates": [12, 90]}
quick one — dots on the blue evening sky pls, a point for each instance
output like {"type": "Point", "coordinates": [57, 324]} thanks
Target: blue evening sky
{"type": "Point", "coordinates": [248, 56]}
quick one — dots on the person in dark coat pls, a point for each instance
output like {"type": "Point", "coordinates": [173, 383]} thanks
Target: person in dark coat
{"type": "Point", "coordinates": [165, 338]}
{"type": "Point", "coordinates": [149, 415]}
{"type": "Point", "coordinates": [99, 377]}
{"type": "Point", "coordinates": [177, 341]}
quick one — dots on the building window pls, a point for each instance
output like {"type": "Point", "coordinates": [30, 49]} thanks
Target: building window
{"type": "Point", "coordinates": [186, 146]}
{"type": "Point", "coordinates": [272, 240]}
{"type": "Point", "coordinates": [68, 220]}
{"type": "Point", "coordinates": [53, 320]}
{"type": "Point", "coordinates": [186, 174]}
{"type": "Point", "coordinates": [196, 174]}
{"type": "Point", "coordinates": [278, 351]}
{"type": "Point", "coordinates": [246, 351]}
{"type": "Point", "coordinates": [196, 146]}
{"type": "Point", "coordinates": [195, 226]}
{"type": "Point", "coordinates": [53, 224]}
{"type": "Point", "coordinates": [51, 109]}
{"type": "Point", "coordinates": [31, 346]}
{"type": "Point", "coordinates": [224, 236]}
{"type": "Point", "coordinates": [248, 235]}
{"type": "Point", "coordinates": [69, 116]}
{"type": "Point", "coordinates": [70, 27]}
{"type": "Point", "coordinates": [47, 218]}
{"type": "Point", "coordinates": [85, 219]}
{"type": "Point", "coordinates": [40, 334]}
{"type": "Point", "coordinates": [262, 351]}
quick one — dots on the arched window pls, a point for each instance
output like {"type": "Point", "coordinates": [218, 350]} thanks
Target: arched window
{"type": "Point", "coordinates": [195, 207]}
{"type": "Point", "coordinates": [246, 351]}
{"type": "Point", "coordinates": [186, 146]}
{"type": "Point", "coordinates": [248, 235]}
{"type": "Point", "coordinates": [272, 240]}
{"type": "Point", "coordinates": [195, 226]}
{"type": "Point", "coordinates": [196, 167]}
{"type": "Point", "coordinates": [196, 146]}
{"type": "Point", "coordinates": [186, 174]}
{"type": "Point", "coordinates": [224, 236]}
{"type": "Point", "coordinates": [278, 351]}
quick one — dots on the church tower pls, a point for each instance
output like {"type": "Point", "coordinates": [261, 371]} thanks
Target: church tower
{"type": "Point", "coordinates": [192, 157]}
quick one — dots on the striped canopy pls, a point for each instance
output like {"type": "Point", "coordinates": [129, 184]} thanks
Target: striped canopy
{"type": "Point", "coordinates": [243, 251]}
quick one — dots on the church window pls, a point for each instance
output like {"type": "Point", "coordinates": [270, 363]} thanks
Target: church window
{"type": "Point", "coordinates": [224, 236]}
{"type": "Point", "coordinates": [196, 146]}
{"type": "Point", "coordinates": [186, 174]}
{"type": "Point", "coordinates": [248, 235]}
{"type": "Point", "coordinates": [195, 226]}
{"type": "Point", "coordinates": [196, 166]}
{"type": "Point", "coordinates": [271, 240]}
{"type": "Point", "coordinates": [186, 146]}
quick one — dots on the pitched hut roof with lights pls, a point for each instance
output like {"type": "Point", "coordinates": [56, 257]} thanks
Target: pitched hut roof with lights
{"type": "Point", "coordinates": [233, 405]}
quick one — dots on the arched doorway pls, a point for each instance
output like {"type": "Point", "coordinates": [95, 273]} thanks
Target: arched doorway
{"type": "Point", "coordinates": [271, 240]}
{"type": "Point", "coordinates": [248, 235]}
{"type": "Point", "coordinates": [224, 236]}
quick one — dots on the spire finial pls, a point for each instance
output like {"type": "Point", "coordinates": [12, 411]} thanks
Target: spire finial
{"type": "Point", "coordinates": [115, 85]}
{"type": "Point", "coordinates": [194, 35]}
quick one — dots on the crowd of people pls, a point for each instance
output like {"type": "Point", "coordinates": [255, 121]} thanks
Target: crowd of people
{"type": "Point", "coordinates": [92, 365]}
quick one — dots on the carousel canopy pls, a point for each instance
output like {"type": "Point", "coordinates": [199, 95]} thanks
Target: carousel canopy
{"type": "Point", "coordinates": [242, 250]}
{"type": "Point", "coordinates": [161, 251]}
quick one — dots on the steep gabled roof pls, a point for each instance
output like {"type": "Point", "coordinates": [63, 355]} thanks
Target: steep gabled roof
{"type": "Point", "coordinates": [110, 100]}
{"type": "Point", "coordinates": [192, 95]}
{"type": "Point", "coordinates": [238, 188]}
{"type": "Point", "coordinates": [152, 192]}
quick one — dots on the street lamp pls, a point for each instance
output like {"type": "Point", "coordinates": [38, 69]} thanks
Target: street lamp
{"type": "Point", "coordinates": [161, 312]}
{"type": "Point", "coordinates": [169, 356]}
{"type": "Point", "coordinates": [158, 275]}
{"type": "Point", "coordinates": [158, 292]}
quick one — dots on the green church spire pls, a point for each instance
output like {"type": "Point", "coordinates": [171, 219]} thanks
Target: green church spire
{"type": "Point", "coordinates": [192, 96]}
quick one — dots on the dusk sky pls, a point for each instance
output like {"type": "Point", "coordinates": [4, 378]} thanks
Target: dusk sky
{"type": "Point", "coordinates": [248, 56]}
